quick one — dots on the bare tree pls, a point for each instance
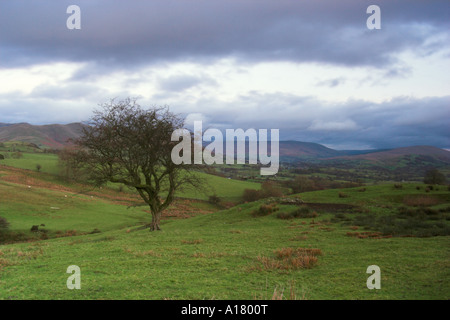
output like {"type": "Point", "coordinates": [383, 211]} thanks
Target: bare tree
{"type": "Point", "coordinates": [434, 176]}
{"type": "Point", "coordinates": [132, 146]}
{"type": "Point", "coordinates": [72, 164]}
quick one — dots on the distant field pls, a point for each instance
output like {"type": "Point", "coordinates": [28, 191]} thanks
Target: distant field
{"type": "Point", "coordinates": [229, 254]}
{"type": "Point", "coordinates": [48, 162]}
{"type": "Point", "coordinates": [227, 189]}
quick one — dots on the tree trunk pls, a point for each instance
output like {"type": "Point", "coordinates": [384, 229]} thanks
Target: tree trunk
{"type": "Point", "coordinates": [156, 217]}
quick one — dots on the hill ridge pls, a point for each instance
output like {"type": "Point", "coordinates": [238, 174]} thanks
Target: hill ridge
{"type": "Point", "coordinates": [56, 136]}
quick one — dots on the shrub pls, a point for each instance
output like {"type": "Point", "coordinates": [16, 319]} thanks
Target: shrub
{"type": "Point", "coordinates": [38, 167]}
{"type": "Point", "coordinates": [434, 176]}
{"type": "Point", "coordinates": [17, 155]}
{"type": "Point", "coordinates": [301, 184]}
{"type": "Point", "coordinates": [398, 186]}
{"type": "Point", "coordinates": [3, 224]}
{"type": "Point", "coordinates": [264, 210]}
{"type": "Point", "coordinates": [268, 189]}
{"type": "Point", "coordinates": [250, 195]}
{"type": "Point", "coordinates": [214, 199]}
{"type": "Point", "coordinates": [303, 212]}
{"type": "Point", "coordinates": [342, 195]}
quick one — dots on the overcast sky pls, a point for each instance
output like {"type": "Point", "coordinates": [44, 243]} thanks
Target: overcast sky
{"type": "Point", "coordinates": [310, 68]}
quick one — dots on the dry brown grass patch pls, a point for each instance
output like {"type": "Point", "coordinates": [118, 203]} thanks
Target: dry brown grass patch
{"type": "Point", "coordinates": [291, 259]}
{"type": "Point", "coordinates": [368, 235]}
{"type": "Point", "coordinates": [196, 241]}
{"type": "Point", "coordinates": [420, 201]}
{"type": "Point", "coordinates": [299, 238]}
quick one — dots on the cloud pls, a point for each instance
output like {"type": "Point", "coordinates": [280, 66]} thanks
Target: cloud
{"type": "Point", "coordinates": [398, 122]}
{"type": "Point", "coordinates": [212, 60]}
{"type": "Point", "coordinates": [71, 91]}
{"type": "Point", "coordinates": [183, 82]}
{"type": "Point", "coordinates": [332, 82]}
{"type": "Point", "coordinates": [119, 35]}
{"type": "Point", "coordinates": [345, 125]}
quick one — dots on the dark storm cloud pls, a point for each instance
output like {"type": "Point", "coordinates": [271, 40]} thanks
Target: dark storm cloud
{"type": "Point", "coordinates": [360, 124]}
{"type": "Point", "coordinates": [127, 34]}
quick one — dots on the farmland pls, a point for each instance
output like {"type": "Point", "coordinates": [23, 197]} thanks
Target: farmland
{"type": "Point", "coordinates": [206, 251]}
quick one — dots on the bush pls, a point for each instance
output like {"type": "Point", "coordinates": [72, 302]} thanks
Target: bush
{"type": "Point", "coordinates": [3, 224]}
{"type": "Point", "coordinates": [250, 195]}
{"type": "Point", "coordinates": [268, 189]}
{"type": "Point", "coordinates": [301, 184]}
{"type": "Point", "coordinates": [434, 176]}
{"type": "Point", "coordinates": [214, 199]}
{"type": "Point", "coordinates": [304, 212]}
{"type": "Point", "coordinates": [264, 210]}
{"type": "Point", "coordinates": [17, 155]}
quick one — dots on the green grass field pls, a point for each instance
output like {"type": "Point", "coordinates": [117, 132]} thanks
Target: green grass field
{"type": "Point", "coordinates": [48, 162]}
{"type": "Point", "coordinates": [226, 254]}
{"type": "Point", "coordinates": [229, 189]}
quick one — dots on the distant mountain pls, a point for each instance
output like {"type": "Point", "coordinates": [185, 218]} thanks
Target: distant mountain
{"type": "Point", "coordinates": [292, 150]}
{"type": "Point", "coordinates": [386, 155]}
{"type": "Point", "coordinates": [297, 149]}
{"type": "Point", "coordinates": [53, 136]}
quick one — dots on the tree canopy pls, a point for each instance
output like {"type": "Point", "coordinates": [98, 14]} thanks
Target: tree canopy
{"type": "Point", "coordinates": [434, 176]}
{"type": "Point", "coordinates": [132, 146]}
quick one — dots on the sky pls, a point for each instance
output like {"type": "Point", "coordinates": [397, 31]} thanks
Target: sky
{"type": "Point", "coordinates": [310, 68]}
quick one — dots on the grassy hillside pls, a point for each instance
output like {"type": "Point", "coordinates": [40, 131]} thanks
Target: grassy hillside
{"type": "Point", "coordinates": [53, 136]}
{"type": "Point", "coordinates": [226, 189]}
{"type": "Point", "coordinates": [385, 155]}
{"type": "Point", "coordinates": [229, 254]}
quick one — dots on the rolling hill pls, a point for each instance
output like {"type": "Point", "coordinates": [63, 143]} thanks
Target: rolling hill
{"type": "Point", "coordinates": [53, 136]}
{"type": "Point", "coordinates": [427, 151]}
{"type": "Point", "coordinates": [297, 149]}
